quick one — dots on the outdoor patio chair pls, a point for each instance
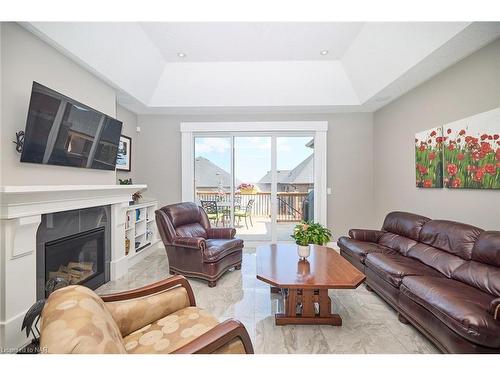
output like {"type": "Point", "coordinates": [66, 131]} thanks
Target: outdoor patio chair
{"type": "Point", "coordinates": [246, 213]}
{"type": "Point", "coordinates": [213, 212]}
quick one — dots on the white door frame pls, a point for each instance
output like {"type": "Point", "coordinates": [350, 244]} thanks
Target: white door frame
{"type": "Point", "coordinates": [319, 128]}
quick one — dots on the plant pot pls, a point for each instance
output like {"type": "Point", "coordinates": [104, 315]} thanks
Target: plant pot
{"type": "Point", "coordinates": [303, 251]}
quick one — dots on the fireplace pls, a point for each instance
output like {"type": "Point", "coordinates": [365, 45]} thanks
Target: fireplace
{"type": "Point", "coordinates": [74, 246]}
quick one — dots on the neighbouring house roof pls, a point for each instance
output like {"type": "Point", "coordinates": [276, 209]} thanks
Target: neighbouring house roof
{"type": "Point", "coordinates": [301, 174]}
{"type": "Point", "coordinates": [210, 175]}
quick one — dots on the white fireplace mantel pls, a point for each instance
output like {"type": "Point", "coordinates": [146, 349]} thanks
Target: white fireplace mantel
{"type": "Point", "coordinates": [21, 210]}
{"type": "Point", "coordinates": [20, 201]}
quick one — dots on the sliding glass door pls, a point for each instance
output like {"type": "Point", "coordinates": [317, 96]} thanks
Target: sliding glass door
{"type": "Point", "coordinates": [295, 183]}
{"type": "Point", "coordinates": [252, 187]}
{"type": "Point", "coordinates": [261, 184]}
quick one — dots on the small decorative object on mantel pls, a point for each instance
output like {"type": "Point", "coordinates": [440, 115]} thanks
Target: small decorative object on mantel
{"type": "Point", "coordinates": [308, 233]}
{"type": "Point", "coordinates": [125, 181]}
{"type": "Point", "coordinates": [136, 197]}
{"type": "Point", "coordinates": [124, 154]}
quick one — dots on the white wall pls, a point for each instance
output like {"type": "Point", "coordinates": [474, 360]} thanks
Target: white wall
{"type": "Point", "coordinates": [467, 88]}
{"type": "Point", "coordinates": [350, 154]}
{"type": "Point", "coordinates": [129, 120]}
{"type": "Point", "coordinates": [25, 59]}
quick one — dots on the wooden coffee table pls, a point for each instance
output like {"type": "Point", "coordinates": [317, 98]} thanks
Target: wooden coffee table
{"type": "Point", "coordinates": [304, 284]}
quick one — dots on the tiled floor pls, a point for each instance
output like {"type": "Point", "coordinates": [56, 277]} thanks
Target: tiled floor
{"type": "Point", "coordinates": [369, 325]}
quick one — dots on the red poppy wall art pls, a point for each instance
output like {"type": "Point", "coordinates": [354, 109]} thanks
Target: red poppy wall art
{"type": "Point", "coordinates": [429, 158]}
{"type": "Point", "coordinates": [472, 152]}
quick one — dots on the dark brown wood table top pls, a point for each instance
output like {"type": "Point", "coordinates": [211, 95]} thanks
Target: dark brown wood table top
{"type": "Point", "coordinates": [279, 265]}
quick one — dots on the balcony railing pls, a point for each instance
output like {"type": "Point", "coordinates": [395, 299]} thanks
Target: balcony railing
{"type": "Point", "coordinates": [289, 204]}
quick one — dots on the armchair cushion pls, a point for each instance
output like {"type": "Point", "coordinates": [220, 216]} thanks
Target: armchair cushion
{"type": "Point", "coordinates": [76, 320]}
{"type": "Point", "coordinates": [219, 248]}
{"type": "Point", "coordinates": [192, 242]}
{"type": "Point", "coordinates": [221, 233]}
{"type": "Point", "coordinates": [191, 230]}
{"type": "Point", "coordinates": [171, 332]}
{"type": "Point", "coordinates": [133, 314]}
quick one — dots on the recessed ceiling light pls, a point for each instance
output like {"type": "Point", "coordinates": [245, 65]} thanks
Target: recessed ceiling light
{"type": "Point", "coordinates": [181, 54]}
{"type": "Point", "coordinates": [324, 52]}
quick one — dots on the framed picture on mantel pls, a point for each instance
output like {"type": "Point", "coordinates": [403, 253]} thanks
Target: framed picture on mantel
{"type": "Point", "coordinates": [124, 154]}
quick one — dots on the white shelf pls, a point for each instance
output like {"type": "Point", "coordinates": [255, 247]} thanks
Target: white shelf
{"type": "Point", "coordinates": [137, 231]}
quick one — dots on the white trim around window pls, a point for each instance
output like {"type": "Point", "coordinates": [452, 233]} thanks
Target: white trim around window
{"type": "Point", "coordinates": [280, 128]}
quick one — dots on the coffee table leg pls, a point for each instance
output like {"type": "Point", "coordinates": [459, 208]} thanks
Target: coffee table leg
{"type": "Point", "coordinates": [275, 289]}
{"type": "Point", "coordinates": [307, 298]}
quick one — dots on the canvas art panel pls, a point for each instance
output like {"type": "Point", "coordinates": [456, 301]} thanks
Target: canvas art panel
{"type": "Point", "coordinates": [472, 152]}
{"type": "Point", "coordinates": [124, 154]}
{"type": "Point", "coordinates": [429, 158]}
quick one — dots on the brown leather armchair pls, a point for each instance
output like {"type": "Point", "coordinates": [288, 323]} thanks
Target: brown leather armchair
{"type": "Point", "coordinates": [161, 318]}
{"type": "Point", "coordinates": [194, 248]}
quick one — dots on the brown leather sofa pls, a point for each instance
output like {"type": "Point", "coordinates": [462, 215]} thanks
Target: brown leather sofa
{"type": "Point", "coordinates": [194, 248]}
{"type": "Point", "coordinates": [441, 276]}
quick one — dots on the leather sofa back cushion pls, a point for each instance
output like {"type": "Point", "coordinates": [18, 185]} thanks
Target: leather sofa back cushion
{"type": "Point", "coordinates": [405, 224]}
{"type": "Point", "coordinates": [183, 213]}
{"type": "Point", "coordinates": [479, 275]}
{"type": "Point", "coordinates": [191, 230]}
{"type": "Point", "coordinates": [487, 248]}
{"type": "Point", "coordinates": [438, 259]}
{"type": "Point", "coordinates": [450, 236]}
{"type": "Point", "coordinates": [396, 242]}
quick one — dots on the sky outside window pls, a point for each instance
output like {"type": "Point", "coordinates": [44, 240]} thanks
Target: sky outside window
{"type": "Point", "coordinates": [253, 154]}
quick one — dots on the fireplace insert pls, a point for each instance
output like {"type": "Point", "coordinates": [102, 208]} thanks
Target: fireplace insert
{"type": "Point", "coordinates": [78, 259]}
{"type": "Point", "coordinates": [74, 247]}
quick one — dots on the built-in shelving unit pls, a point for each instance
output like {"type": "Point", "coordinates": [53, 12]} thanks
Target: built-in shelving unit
{"type": "Point", "coordinates": [140, 227]}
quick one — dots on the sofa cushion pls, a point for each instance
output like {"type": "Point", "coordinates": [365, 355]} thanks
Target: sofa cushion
{"type": "Point", "coordinates": [219, 248]}
{"type": "Point", "coordinates": [487, 248]}
{"type": "Point", "coordinates": [450, 236]}
{"type": "Point", "coordinates": [440, 260]}
{"type": "Point", "coordinates": [405, 224]}
{"type": "Point", "coordinates": [462, 308]}
{"type": "Point", "coordinates": [394, 267]}
{"type": "Point", "coordinates": [359, 249]}
{"type": "Point", "coordinates": [133, 314]}
{"type": "Point", "coordinates": [479, 275]}
{"type": "Point", "coordinates": [171, 332]}
{"type": "Point", "coordinates": [397, 242]}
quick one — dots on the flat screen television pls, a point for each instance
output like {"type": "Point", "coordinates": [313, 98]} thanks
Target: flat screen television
{"type": "Point", "coordinates": [62, 131]}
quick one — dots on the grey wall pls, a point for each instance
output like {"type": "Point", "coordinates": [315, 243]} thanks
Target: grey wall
{"type": "Point", "coordinates": [129, 120]}
{"type": "Point", "coordinates": [24, 59]}
{"type": "Point", "coordinates": [467, 88]}
{"type": "Point", "coordinates": [350, 155]}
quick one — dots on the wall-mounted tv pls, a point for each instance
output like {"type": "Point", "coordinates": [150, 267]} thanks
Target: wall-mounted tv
{"type": "Point", "coordinates": [62, 131]}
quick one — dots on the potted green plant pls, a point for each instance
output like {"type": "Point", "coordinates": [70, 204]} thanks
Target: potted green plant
{"type": "Point", "coordinates": [307, 233]}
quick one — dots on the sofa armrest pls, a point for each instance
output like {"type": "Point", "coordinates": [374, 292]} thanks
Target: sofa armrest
{"type": "Point", "coordinates": [221, 233]}
{"type": "Point", "coordinates": [366, 235]}
{"type": "Point", "coordinates": [495, 308]}
{"type": "Point", "coordinates": [133, 310]}
{"type": "Point", "coordinates": [191, 242]}
{"type": "Point", "coordinates": [217, 338]}
{"type": "Point", "coordinates": [154, 288]}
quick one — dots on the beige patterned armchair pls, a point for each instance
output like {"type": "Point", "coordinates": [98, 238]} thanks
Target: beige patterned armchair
{"type": "Point", "coordinates": [159, 318]}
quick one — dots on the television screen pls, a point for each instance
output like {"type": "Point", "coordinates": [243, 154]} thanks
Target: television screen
{"type": "Point", "coordinates": [62, 131]}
